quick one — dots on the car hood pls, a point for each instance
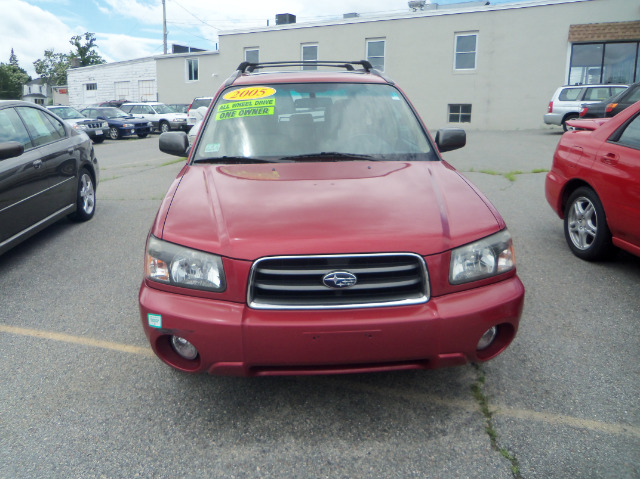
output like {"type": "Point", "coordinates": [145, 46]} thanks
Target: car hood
{"type": "Point", "coordinates": [250, 211]}
{"type": "Point", "coordinates": [82, 121]}
{"type": "Point", "coordinates": [129, 120]}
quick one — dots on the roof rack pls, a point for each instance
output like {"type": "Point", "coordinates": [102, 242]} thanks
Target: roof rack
{"type": "Point", "coordinates": [249, 67]}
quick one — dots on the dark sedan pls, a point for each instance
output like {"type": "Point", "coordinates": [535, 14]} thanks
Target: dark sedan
{"type": "Point", "coordinates": [121, 124]}
{"type": "Point", "coordinates": [612, 106]}
{"type": "Point", "coordinates": [48, 171]}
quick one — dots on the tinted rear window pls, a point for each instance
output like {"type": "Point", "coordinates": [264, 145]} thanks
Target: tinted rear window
{"type": "Point", "coordinates": [569, 94]}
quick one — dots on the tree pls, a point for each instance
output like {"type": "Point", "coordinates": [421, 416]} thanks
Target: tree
{"type": "Point", "coordinates": [52, 68]}
{"type": "Point", "coordinates": [84, 54]}
{"type": "Point", "coordinates": [12, 78]}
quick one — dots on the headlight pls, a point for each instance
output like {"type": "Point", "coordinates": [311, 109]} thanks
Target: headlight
{"type": "Point", "coordinates": [176, 265]}
{"type": "Point", "coordinates": [105, 124]}
{"type": "Point", "coordinates": [80, 127]}
{"type": "Point", "coordinates": [150, 124]}
{"type": "Point", "coordinates": [126, 125]}
{"type": "Point", "coordinates": [485, 258]}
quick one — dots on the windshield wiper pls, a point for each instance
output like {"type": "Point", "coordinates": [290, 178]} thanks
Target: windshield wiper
{"type": "Point", "coordinates": [329, 156]}
{"type": "Point", "coordinates": [239, 160]}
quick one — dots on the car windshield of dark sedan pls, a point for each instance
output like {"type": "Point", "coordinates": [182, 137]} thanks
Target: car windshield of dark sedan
{"type": "Point", "coordinates": [300, 122]}
{"type": "Point", "coordinates": [68, 113]}
{"type": "Point", "coordinates": [115, 113]}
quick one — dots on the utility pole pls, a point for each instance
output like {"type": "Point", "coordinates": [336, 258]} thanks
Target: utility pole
{"type": "Point", "coordinates": [164, 26]}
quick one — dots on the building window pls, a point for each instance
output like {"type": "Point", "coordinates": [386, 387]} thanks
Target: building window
{"type": "Point", "coordinates": [309, 54]}
{"type": "Point", "coordinates": [252, 55]}
{"type": "Point", "coordinates": [466, 48]}
{"type": "Point", "coordinates": [147, 90]}
{"type": "Point", "coordinates": [459, 113]}
{"type": "Point", "coordinates": [91, 86]}
{"type": "Point", "coordinates": [192, 69]}
{"type": "Point", "coordinates": [594, 63]}
{"type": "Point", "coordinates": [122, 90]}
{"type": "Point", "coordinates": [375, 53]}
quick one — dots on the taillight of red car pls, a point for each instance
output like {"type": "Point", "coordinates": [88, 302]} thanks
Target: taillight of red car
{"type": "Point", "coordinates": [550, 110]}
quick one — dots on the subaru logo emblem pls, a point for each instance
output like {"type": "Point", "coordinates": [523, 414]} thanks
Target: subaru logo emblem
{"type": "Point", "coordinates": [339, 279]}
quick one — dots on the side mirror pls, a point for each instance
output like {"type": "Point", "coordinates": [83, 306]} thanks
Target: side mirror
{"type": "Point", "coordinates": [10, 149]}
{"type": "Point", "coordinates": [174, 143]}
{"type": "Point", "coordinates": [448, 139]}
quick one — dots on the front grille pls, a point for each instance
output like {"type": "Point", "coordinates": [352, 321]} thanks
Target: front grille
{"type": "Point", "coordinates": [297, 282]}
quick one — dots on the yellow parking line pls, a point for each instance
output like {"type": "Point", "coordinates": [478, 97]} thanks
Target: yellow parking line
{"type": "Point", "coordinates": [500, 410]}
{"type": "Point", "coordinates": [67, 338]}
{"type": "Point", "coordinates": [468, 405]}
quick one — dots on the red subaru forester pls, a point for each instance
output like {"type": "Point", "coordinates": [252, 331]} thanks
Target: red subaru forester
{"type": "Point", "coordinates": [315, 229]}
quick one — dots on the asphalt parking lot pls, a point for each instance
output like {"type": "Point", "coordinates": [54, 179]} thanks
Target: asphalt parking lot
{"type": "Point", "coordinates": [83, 396]}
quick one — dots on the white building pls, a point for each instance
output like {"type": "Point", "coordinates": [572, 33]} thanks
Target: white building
{"type": "Point", "coordinates": [134, 80]}
{"type": "Point", "coordinates": [480, 65]}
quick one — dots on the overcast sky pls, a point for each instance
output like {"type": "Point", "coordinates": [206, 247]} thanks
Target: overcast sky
{"type": "Point", "coordinates": [127, 29]}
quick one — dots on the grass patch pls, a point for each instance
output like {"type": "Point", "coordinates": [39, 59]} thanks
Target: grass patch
{"type": "Point", "coordinates": [483, 402]}
{"type": "Point", "coordinates": [173, 162]}
{"type": "Point", "coordinates": [511, 175]}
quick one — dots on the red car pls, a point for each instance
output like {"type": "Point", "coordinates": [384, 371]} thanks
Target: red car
{"type": "Point", "coordinates": [315, 229]}
{"type": "Point", "coordinates": [594, 185]}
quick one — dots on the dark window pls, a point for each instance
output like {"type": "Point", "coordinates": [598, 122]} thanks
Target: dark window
{"type": "Point", "coordinates": [593, 63]}
{"type": "Point", "coordinates": [91, 86]}
{"type": "Point", "coordinates": [635, 96]}
{"type": "Point", "coordinates": [597, 94]}
{"type": "Point", "coordinates": [42, 127]}
{"type": "Point", "coordinates": [309, 53]}
{"type": "Point", "coordinates": [252, 55]}
{"type": "Point", "coordinates": [631, 134]}
{"type": "Point", "coordinates": [569, 94]}
{"type": "Point", "coordinates": [192, 69]}
{"type": "Point", "coordinates": [466, 48]}
{"type": "Point", "coordinates": [375, 53]}
{"type": "Point", "coordinates": [12, 128]}
{"type": "Point", "coordinates": [459, 113]}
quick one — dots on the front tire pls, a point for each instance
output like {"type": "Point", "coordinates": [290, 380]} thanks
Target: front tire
{"type": "Point", "coordinates": [85, 197]}
{"type": "Point", "coordinates": [585, 226]}
{"type": "Point", "coordinates": [164, 127]}
{"type": "Point", "coordinates": [98, 139]}
{"type": "Point", "coordinates": [142, 135]}
{"type": "Point", "coordinates": [114, 133]}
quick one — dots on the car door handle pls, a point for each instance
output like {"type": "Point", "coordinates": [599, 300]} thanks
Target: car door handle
{"type": "Point", "coordinates": [609, 158]}
{"type": "Point", "coordinates": [70, 151]}
{"type": "Point", "coordinates": [37, 164]}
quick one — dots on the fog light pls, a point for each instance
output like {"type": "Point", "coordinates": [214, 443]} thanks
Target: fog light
{"type": "Point", "coordinates": [487, 338]}
{"type": "Point", "coordinates": [184, 348]}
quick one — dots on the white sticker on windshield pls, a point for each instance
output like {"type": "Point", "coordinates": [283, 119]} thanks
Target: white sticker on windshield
{"type": "Point", "coordinates": [212, 148]}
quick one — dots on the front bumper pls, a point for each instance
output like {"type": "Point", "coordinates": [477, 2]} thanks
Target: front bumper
{"type": "Point", "coordinates": [97, 132]}
{"type": "Point", "coordinates": [136, 130]}
{"type": "Point", "coordinates": [233, 339]}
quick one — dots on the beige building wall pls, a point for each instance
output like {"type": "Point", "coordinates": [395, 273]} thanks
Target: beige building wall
{"type": "Point", "coordinates": [523, 54]}
{"type": "Point", "coordinates": [174, 85]}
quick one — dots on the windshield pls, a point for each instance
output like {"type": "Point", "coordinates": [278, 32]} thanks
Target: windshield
{"type": "Point", "coordinates": [67, 113]}
{"type": "Point", "coordinates": [285, 121]}
{"type": "Point", "coordinates": [163, 109]}
{"type": "Point", "coordinates": [115, 113]}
